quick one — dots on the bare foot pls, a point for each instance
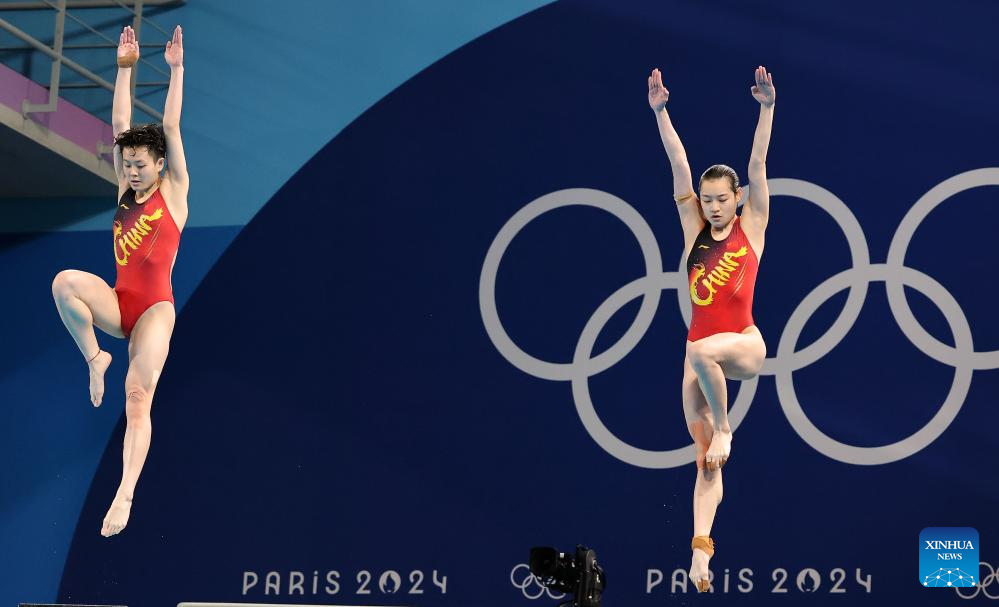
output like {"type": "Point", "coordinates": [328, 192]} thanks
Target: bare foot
{"type": "Point", "coordinates": [98, 366]}
{"type": "Point", "coordinates": [719, 449]}
{"type": "Point", "coordinates": [117, 516]}
{"type": "Point", "coordinates": [700, 575]}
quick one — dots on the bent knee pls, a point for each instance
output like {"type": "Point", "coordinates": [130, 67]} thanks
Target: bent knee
{"type": "Point", "coordinates": [748, 367]}
{"type": "Point", "coordinates": [64, 284]}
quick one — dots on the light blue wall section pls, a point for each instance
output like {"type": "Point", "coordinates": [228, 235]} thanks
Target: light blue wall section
{"type": "Point", "coordinates": [267, 84]}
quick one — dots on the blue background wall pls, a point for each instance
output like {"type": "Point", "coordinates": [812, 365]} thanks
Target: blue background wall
{"type": "Point", "coordinates": [333, 402]}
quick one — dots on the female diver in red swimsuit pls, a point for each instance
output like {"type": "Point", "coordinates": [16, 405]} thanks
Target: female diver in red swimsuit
{"type": "Point", "coordinates": [152, 210]}
{"type": "Point", "coordinates": [723, 252]}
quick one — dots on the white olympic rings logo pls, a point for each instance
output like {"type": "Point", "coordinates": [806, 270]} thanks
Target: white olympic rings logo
{"type": "Point", "coordinates": [983, 584]}
{"type": "Point", "coordinates": [963, 357]}
{"type": "Point", "coordinates": [530, 582]}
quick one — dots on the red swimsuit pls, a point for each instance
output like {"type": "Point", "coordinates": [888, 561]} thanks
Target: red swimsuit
{"type": "Point", "coordinates": [145, 246]}
{"type": "Point", "coordinates": [721, 276]}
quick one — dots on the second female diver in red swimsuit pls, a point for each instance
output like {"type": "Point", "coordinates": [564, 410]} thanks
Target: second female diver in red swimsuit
{"type": "Point", "coordinates": [723, 251]}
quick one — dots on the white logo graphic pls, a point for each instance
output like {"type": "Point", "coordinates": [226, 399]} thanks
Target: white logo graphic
{"type": "Point", "coordinates": [809, 580]}
{"type": "Point", "coordinates": [963, 357]}
{"type": "Point", "coordinates": [949, 577]}
{"type": "Point", "coordinates": [529, 585]}
{"type": "Point", "coordinates": [389, 582]}
{"type": "Point", "coordinates": [984, 584]}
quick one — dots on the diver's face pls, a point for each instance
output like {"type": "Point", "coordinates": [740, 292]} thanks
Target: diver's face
{"type": "Point", "coordinates": [719, 201]}
{"type": "Point", "coordinates": [139, 167]}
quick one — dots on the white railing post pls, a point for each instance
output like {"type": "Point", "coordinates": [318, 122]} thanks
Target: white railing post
{"type": "Point", "coordinates": [137, 26]}
{"type": "Point", "coordinates": [52, 105]}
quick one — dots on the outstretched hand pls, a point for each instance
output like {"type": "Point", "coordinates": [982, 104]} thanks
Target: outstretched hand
{"type": "Point", "coordinates": [658, 95]}
{"type": "Point", "coordinates": [174, 53]}
{"type": "Point", "coordinates": [764, 91]}
{"type": "Point", "coordinates": [128, 48]}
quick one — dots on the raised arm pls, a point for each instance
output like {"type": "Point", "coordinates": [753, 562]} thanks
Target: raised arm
{"type": "Point", "coordinates": [176, 161]}
{"type": "Point", "coordinates": [121, 106]}
{"type": "Point", "coordinates": [757, 210]}
{"type": "Point", "coordinates": [687, 204]}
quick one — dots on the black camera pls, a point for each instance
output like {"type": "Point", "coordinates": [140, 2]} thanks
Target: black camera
{"type": "Point", "coordinates": [578, 575]}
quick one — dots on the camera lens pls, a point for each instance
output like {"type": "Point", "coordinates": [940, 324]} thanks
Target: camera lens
{"type": "Point", "coordinates": [544, 562]}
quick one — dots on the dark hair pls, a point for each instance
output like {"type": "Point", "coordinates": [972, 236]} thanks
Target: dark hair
{"type": "Point", "coordinates": [147, 135]}
{"type": "Point", "coordinates": [720, 171]}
